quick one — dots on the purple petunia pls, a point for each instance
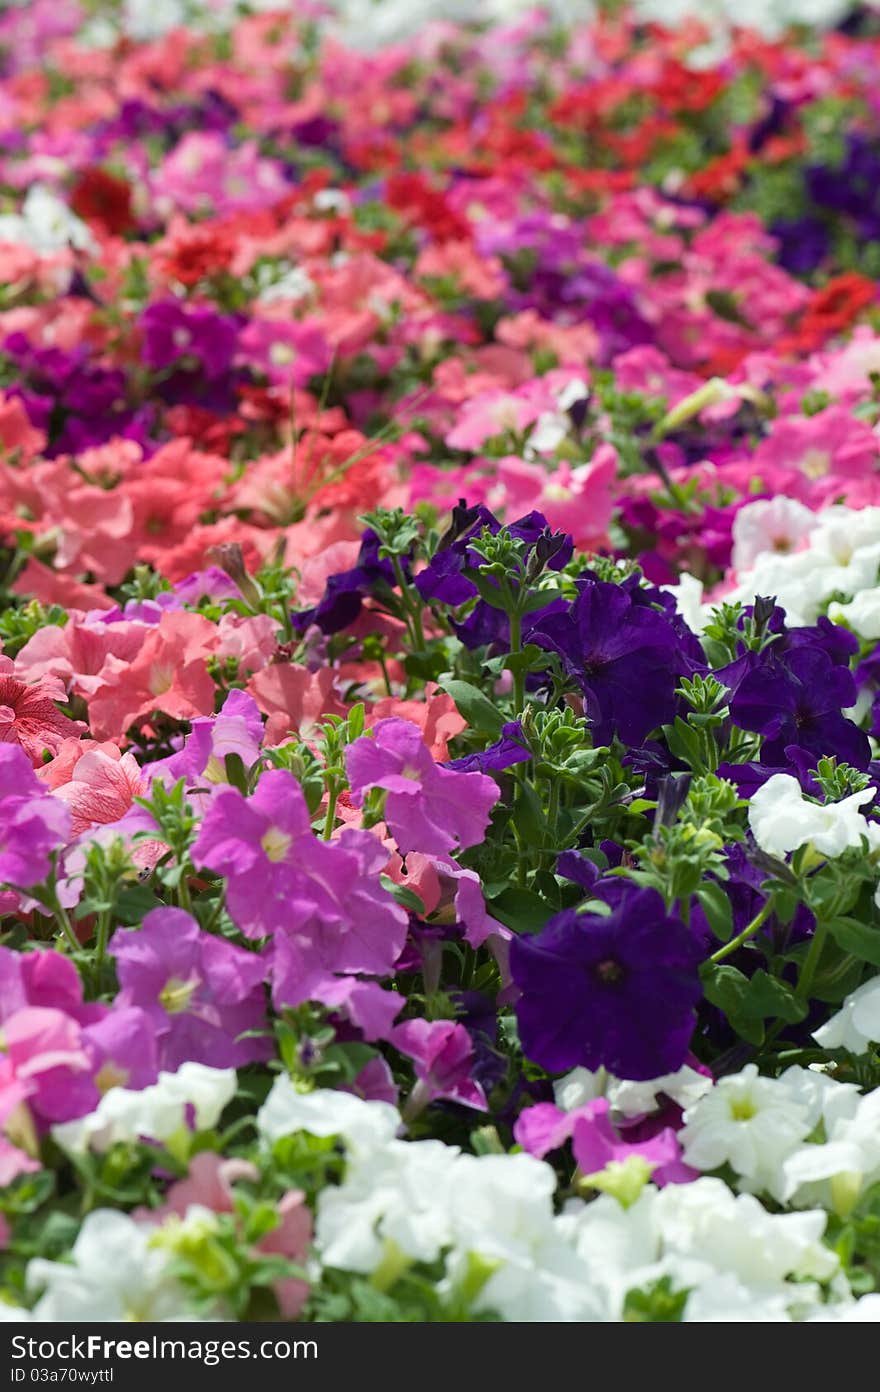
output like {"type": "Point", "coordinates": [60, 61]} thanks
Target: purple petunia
{"type": "Point", "coordinates": [428, 808]}
{"type": "Point", "coordinates": [344, 592]}
{"type": "Point", "coordinates": [33, 823]}
{"type": "Point", "coordinates": [236, 729]}
{"type": "Point", "coordinates": [447, 576]}
{"type": "Point", "coordinates": [510, 749]}
{"type": "Point", "coordinates": [199, 993]}
{"type": "Point", "coordinates": [321, 902]}
{"type": "Point", "coordinates": [443, 1054]}
{"type": "Point", "coordinates": [614, 990]}
{"type": "Point", "coordinates": [174, 330]}
{"type": "Point", "coordinates": [797, 698]}
{"type": "Point", "coordinates": [625, 655]}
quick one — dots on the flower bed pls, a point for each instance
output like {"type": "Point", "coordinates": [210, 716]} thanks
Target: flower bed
{"type": "Point", "coordinates": [440, 671]}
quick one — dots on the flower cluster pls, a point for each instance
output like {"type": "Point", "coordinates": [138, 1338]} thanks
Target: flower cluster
{"type": "Point", "coordinates": [439, 661]}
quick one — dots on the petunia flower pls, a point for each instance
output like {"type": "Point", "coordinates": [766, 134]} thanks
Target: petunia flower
{"type": "Point", "coordinates": [33, 823]}
{"type": "Point", "coordinates": [321, 902]}
{"type": "Point", "coordinates": [443, 1054]}
{"type": "Point", "coordinates": [29, 716]}
{"type": "Point", "coordinates": [616, 991]}
{"type": "Point", "coordinates": [201, 994]}
{"type": "Point", "coordinates": [626, 657]}
{"type": "Point", "coordinates": [798, 699]}
{"type": "Point", "coordinates": [427, 807]}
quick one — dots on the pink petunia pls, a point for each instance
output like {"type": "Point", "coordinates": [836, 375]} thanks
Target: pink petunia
{"type": "Point", "coordinates": [427, 808]}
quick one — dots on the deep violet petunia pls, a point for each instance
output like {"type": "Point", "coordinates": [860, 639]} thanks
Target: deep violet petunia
{"type": "Point", "coordinates": [616, 991]}
{"type": "Point", "coordinates": [511, 748]}
{"type": "Point", "coordinates": [624, 655]}
{"type": "Point", "coordinates": [798, 699]}
{"type": "Point", "coordinates": [344, 592]}
{"type": "Point", "coordinates": [444, 578]}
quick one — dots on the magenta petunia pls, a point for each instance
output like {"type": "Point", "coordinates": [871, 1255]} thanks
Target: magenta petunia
{"type": "Point", "coordinates": [203, 996]}
{"type": "Point", "coordinates": [443, 1054]}
{"type": "Point", "coordinates": [427, 807]}
{"type": "Point", "coordinates": [321, 902]}
{"type": "Point", "coordinates": [34, 823]}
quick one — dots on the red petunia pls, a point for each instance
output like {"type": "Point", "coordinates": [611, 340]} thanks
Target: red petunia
{"type": "Point", "coordinates": [30, 717]}
{"type": "Point", "coordinates": [105, 199]}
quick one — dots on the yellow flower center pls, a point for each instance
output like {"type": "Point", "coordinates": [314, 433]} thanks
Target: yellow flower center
{"type": "Point", "coordinates": [743, 1109]}
{"type": "Point", "coordinates": [161, 680]}
{"type": "Point", "coordinates": [281, 354]}
{"type": "Point", "coordinates": [275, 843]}
{"type": "Point", "coordinates": [110, 1075]}
{"type": "Point", "coordinates": [816, 463]}
{"type": "Point", "coordinates": [176, 995]}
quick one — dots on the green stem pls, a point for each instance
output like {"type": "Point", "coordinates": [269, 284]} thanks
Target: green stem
{"type": "Point", "coordinates": [62, 918]}
{"type": "Point", "coordinates": [286, 620]}
{"type": "Point", "coordinates": [330, 818]}
{"type": "Point", "coordinates": [384, 666]}
{"type": "Point", "coordinates": [519, 678]}
{"type": "Point", "coordinates": [215, 914]}
{"type": "Point", "coordinates": [102, 933]}
{"type": "Point", "coordinates": [521, 855]}
{"type": "Point", "coordinates": [183, 897]}
{"type": "Point", "coordinates": [811, 961]}
{"type": "Point", "coordinates": [748, 932]}
{"type": "Point", "coordinates": [580, 827]}
{"type": "Point", "coordinates": [552, 819]}
{"type": "Point", "coordinates": [413, 608]}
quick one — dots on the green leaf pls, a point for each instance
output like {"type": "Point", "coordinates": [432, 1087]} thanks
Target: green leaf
{"type": "Point", "coordinates": [769, 998]}
{"type": "Point", "coordinates": [407, 898]}
{"type": "Point", "coordinates": [858, 939]}
{"type": "Point", "coordinates": [521, 910]}
{"type": "Point", "coordinates": [236, 774]}
{"type": "Point", "coordinates": [134, 901]}
{"type": "Point", "coordinates": [539, 599]}
{"type": "Point", "coordinates": [529, 815]}
{"type": "Point", "coordinates": [726, 987]}
{"type": "Point", "coordinates": [475, 707]}
{"type": "Point", "coordinates": [717, 909]}
{"type": "Point", "coordinates": [657, 1303]}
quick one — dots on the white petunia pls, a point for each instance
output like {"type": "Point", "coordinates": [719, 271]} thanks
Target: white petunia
{"type": "Point", "coordinates": [282, 283]}
{"type": "Point", "coordinates": [736, 1234]}
{"type": "Point", "coordinates": [364, 1126]}
{"type": "Point", "coordinates": [113, 1274]}
{"type": "Point", "coordinates": [864, 1311]}
{"type": "Point", "coordinates": [157, 1112]}
{"type": "Point", "coordinates": [620, 1246]}
{"type": "Point", "coordinates": [578, 1087]}
{"type": "Point", "coordinates": [857, 1023]}
{"type": "Point", "coordinates": [834, 1173]}
{"type": "Point", "coordinates": [825, 1100]}
{"type": "Point", "coordinates": [501, 1211]}
{"type": "Point", "coordinates": [861, 614]}
{"type": "Point", "coordinates": [631, 1099]}
{"type": "Point", "coordinates": [46, 224]}
{"type": "Point", "coordinates": [627, 1098]}
{"type": "Point", "coordinates": [782, 820]}
{"type": "Point", "coordinates": [777, 525]}
{"type": "Point", "coordinates": [397, 1195]}
{"type": "Point", "coordinates": [722, 1299]}
{"type": "Point", "coordinates": [748, 1122]}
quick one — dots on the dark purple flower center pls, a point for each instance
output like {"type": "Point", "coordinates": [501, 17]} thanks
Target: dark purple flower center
{"type": "Point", "coordinates": [609, 972]}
